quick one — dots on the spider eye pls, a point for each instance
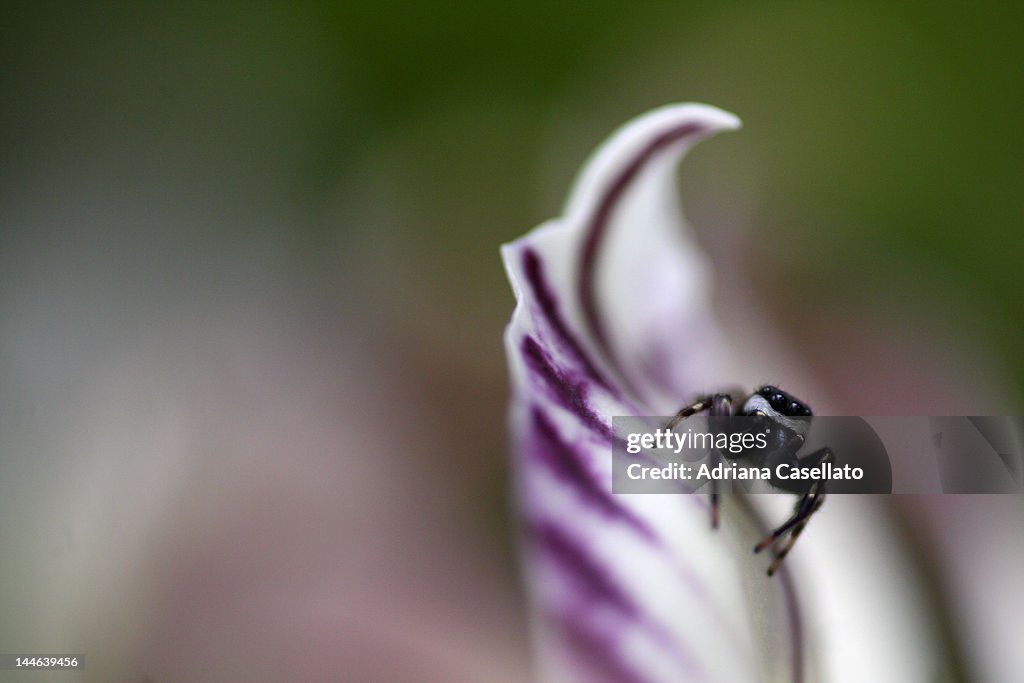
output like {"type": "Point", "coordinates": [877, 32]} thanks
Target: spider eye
{"type": "Point", "coordinates": [767, 391]}
{"type": "Point", "coordinates": [778, 401]}
{"type": "Point", "coordinates": [795, 408]}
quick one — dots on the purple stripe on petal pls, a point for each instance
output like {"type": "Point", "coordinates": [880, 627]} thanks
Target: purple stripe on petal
{"type": "Point", "coordinates": [589, 577]}
{"type": "Point", "coordinates": [570, 392]}
{"type": "Point", "coordinates": [789, 592]}
{"type": "Point", "coordinates": [534, 269]}
{"type": "Point", "coordinates": [566, 463]}
{"type": "Point", "coordinates": [796, 651]}
{"type": "Point", "coordinates": [599, 223]}
{"type": "Point", "coordinates": [598, 651]}
{"type": "Point", "coordinates": [597, 586]}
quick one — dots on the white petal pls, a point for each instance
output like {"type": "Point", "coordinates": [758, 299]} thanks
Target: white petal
{"type": "Point", "coordinates": [608, 297]}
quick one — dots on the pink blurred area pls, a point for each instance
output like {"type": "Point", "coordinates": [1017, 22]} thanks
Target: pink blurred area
{"type": "Point", "coordinates": [239, 486]}
{"type": "Point", "coordinates": [284, 537]}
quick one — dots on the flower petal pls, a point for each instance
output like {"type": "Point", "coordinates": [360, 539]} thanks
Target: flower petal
{"type": "Point", "coordinates": [612, 318]}
{"type": "Point", "coordinates": [622, 242]}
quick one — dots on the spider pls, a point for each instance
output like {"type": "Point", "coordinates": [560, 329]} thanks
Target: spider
{"type": "Point", "coordinates": [789, 420]}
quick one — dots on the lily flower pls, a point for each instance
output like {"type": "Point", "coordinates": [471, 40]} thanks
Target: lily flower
{"type": "Point", "coordinates": [613, 317]}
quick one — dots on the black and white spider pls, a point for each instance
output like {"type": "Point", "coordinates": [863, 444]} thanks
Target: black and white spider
{"type": "Point", "coordinates": [788, 420]}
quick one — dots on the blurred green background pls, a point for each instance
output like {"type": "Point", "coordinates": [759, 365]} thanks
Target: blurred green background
{"type": "Point", "coordinates": [344, 173]}
{"type": "Point", "coordinates": [386, 150]}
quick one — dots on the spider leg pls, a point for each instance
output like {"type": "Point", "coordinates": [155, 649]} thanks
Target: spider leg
{"type": "Point", "coordinates": [797, 529]}
{"type": "Point", "coordinates": [714, 494]}
{"type": "Point", "coordinates": [806, 506]}
{"type": "Point", "coordinates": [719, 405]}
{"type": "Point", "coordinates": [698, 406]}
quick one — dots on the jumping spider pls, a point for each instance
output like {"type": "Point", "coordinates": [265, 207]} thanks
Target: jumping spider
{"type": "Point", "coordinates": [789, 420]}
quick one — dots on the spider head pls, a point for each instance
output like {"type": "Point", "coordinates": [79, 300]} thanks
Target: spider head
{"type": "Point", "coordinates": [779, 406]}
